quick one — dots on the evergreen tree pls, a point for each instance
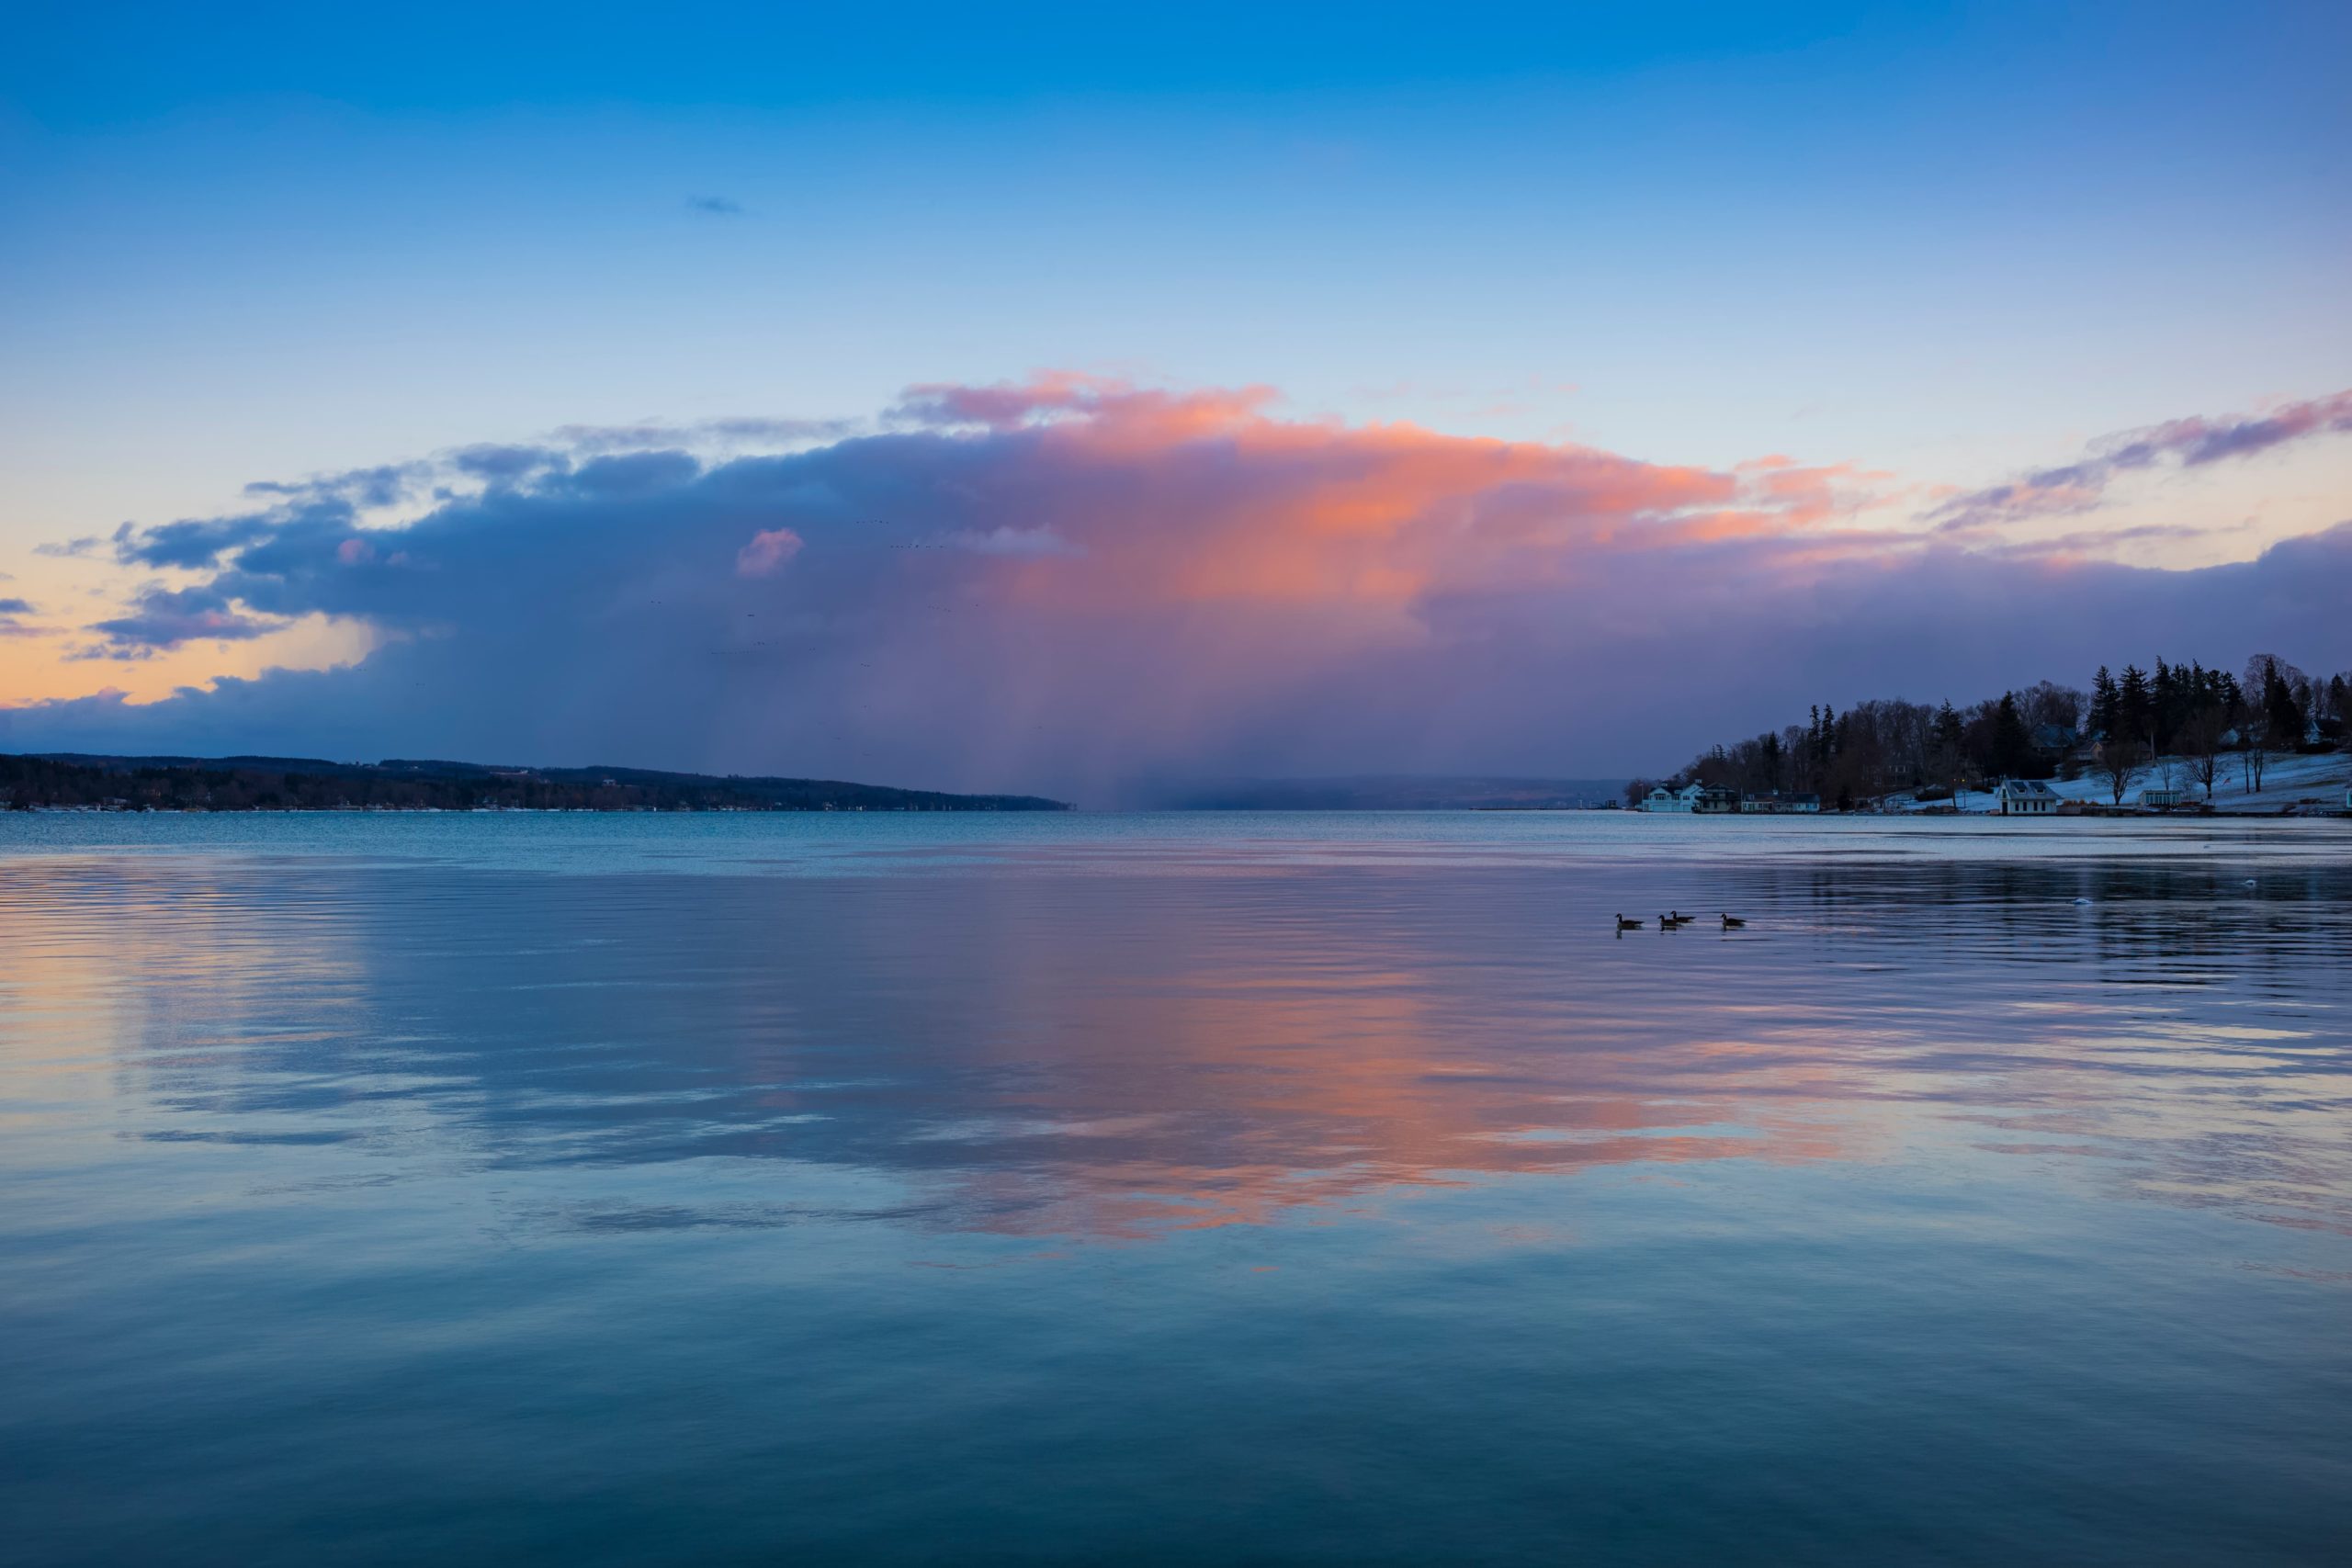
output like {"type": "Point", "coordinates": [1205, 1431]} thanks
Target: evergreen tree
{"type": "Point", "coordinates": [2279, 706]}
{"type": "Point", "coordinates": [2199, 700]}
{"type": "Point", "coordinates": [2135, 704]}
{"type": "Point", "coordinates": [2012, 746]}
{"type": "Point", "coordinates": [1949, 733]}
{"type": "Point", "coordinates": [2103, 700]}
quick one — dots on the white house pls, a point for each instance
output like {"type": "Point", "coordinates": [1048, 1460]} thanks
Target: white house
{"type": "Point", "coordinates": [2164, 799]}
{"type": "Point", "coordinates": [1776, 804]}
{"type": "Point", "coordinates": [2026, 797]}
{"type": "Point", "coordinates": [1703, 799]}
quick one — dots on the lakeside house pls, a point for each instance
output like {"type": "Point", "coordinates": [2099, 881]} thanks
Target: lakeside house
{"type": "Point", "coordinates": [1713, 800]}
{"type": "Point", "coordinates": [2165, 798]}
{"type": "Point", "coordinates": [1776, 804]}
{"type": "Point", "coordinates": [2026, 797]}
{"type": "Point", "coordinates": [1703, 800]}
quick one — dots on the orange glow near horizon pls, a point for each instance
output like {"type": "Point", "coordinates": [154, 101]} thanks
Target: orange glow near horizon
{"type": "Point", "coordinates": [42, 667]}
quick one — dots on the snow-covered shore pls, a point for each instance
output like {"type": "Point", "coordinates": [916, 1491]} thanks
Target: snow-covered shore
{"type": "Point", "coordinates": [2314, 784]}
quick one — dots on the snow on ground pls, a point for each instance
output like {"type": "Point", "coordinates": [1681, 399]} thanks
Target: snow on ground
{"type": "Point", "coordinates": [2310, 781]}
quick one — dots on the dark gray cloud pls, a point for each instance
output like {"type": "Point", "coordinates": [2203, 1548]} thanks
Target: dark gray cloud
{"type": "Point", "coordinates": [192, 543]}
{"type": "Point", "coordinates": [733, 431]}
{"type": "Point", "coordinates": [384, 485]}
{"type": "Point", "coordinates": [163, 618]}
{"type": "Point", "coordinates": [2190, 443]}
{"type": "Point", "coordinates": [628, 474]}
{"type": "Point", "coordinates": [1163, 588]}
{"type": "Point", "coordinates": [715, 206]}
{"type": "Point", "coordinates": [502, 465]}
{"type": "Point", "coordinates": [2097, 542]}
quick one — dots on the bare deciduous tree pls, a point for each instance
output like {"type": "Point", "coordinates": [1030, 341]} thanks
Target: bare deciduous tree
{"type": "Point", "coordinates": [2256, 756]}
{"type": "Point", "coordinates": [2201, 744]}
{"type": "Point", "coordinates": [2120, 761]}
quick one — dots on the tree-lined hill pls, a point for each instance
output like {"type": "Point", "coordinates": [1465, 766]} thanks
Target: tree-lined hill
{"type": "Point", "coordinates": [2124, 722]}
{"type": "Point", "coordinates": [303, 783]}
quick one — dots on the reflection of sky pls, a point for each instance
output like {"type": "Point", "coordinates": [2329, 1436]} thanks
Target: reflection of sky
{"type": "Point", "coordinates": [1077, 1045]}
{"type": "Point", "coordinates": [1024, 1191]}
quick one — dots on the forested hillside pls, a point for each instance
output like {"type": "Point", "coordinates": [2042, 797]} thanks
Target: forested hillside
{"type": "Point", "coordinates": [2045, 730]}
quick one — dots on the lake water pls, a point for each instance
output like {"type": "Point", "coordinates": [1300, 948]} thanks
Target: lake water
{"type": "Point", "coordinates": [1316, 1188]}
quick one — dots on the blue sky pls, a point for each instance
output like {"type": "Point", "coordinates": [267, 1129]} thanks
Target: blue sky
{"type": "Point", "coordinates": [1943, 243]}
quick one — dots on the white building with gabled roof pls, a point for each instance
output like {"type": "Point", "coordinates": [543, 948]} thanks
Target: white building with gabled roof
{"type": "Point", "coordinates": [2025, 797]}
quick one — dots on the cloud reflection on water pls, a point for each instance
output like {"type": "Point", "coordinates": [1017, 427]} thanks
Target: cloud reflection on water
{"type": "Point", "coordinates": [1046, 1053]}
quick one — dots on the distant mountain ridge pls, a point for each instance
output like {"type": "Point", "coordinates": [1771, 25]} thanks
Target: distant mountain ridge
{"type": "Point", "coordinates": [310, 784]}
{"type": "Point", "coordinates": [1385, 792]}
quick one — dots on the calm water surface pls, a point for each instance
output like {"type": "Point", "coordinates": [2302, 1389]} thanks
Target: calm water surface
{"type": "Point", "coordinates": [1217, 1189]}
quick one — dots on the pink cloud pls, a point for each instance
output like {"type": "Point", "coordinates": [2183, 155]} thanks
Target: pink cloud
{"type": "Point", "coordinates": [1103, 401]}
{"type": "Point", "coordinates": [1199, 497]}
{"type": "Point", "coordinates": [767, 553]}
{"type": "Point", "coordinates": [1064, 583]}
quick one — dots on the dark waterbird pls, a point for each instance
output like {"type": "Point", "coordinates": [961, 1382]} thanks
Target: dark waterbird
{"type": "Point", "coordinates": [1733, 922]}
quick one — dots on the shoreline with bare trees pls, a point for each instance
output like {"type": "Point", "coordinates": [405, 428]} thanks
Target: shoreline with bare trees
{"type": "Point", "coordinates": [2181, 735]}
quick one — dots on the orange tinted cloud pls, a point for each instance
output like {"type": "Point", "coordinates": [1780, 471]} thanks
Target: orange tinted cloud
{"type": "Point", "coordinates": [1067, 584]}
{"type": "Point", "coordinates": [1206, 496]}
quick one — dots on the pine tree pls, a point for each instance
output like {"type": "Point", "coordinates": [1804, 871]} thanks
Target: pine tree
{"type": "Point", "coordinates": [1949, 732]}
{"type": "Point", "coordinates": [2134, 706]}
{"type": "Point", "coordinates": [2278, 705]}
{"type": "Point", "coordinates": [2103, 700]}
{"type": "Point", "coordinates": [2012, 746]}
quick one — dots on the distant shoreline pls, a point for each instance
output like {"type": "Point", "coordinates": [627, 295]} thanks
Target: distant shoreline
{"type": "Point", "coordinates": [530, 810]}
{"type": "Point", "coordinates": [78, 781]}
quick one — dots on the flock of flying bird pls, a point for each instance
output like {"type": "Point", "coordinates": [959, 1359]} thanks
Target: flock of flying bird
{"type": "Point", "coordinates": [1675, 919]}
